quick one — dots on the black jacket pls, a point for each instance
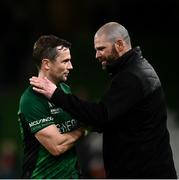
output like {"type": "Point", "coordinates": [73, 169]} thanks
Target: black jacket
{"type": "Point", "coordinates": [132, 116]}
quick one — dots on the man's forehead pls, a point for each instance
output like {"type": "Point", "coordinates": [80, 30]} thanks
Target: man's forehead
{"type": "Point", "coordinates": [63, 51]}
{"type": "Point", "coordinates": [101, 39]}
{"type": "Point", "coordinates": [62, 48]}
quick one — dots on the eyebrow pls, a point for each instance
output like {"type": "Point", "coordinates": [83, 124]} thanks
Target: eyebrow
{"type": "Point", "coordinates": [100, 47]}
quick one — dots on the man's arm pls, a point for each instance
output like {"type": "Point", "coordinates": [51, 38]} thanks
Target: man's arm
{"type": "Point", "coordinates": [91, 113]}
{"type": "Point", "coordinates": [55, 142]}
{"type": "Point", "coordinates": [125, 92]}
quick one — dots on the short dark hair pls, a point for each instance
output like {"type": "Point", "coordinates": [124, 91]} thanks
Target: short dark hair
{"type": "Point", "coordinates": [45, 47]}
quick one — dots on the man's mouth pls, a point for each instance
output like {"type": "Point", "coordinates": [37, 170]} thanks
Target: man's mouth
{"type": "Point", "coordinates": [103, 62]}
{"type": "Point", "coordinates": [66, 74]}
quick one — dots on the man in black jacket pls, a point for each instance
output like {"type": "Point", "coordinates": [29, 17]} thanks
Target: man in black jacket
{"type": "Point", "coordinates": [131, 114]}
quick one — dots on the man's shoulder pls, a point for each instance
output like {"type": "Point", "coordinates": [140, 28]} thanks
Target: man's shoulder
{"type": "Point", "coordinates": [144, 73]}
{"type": "Point", "coordinates": [31, 97]}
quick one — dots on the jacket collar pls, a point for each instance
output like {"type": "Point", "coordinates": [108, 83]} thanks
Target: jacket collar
{"type": "Point", "coordinates": [124, 60]}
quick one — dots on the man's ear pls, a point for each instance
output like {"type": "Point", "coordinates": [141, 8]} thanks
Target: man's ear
{"type": "Point", "coordinates": [120, 45]}
{"type": "Point", "coordinates": [46, 64]}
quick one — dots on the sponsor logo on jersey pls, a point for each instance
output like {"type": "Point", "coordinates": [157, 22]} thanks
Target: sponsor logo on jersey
{"type": "Point", "coordinates": [67, 126]}
{"type": "Point", "coordinates": [40, 121]}
{"type": "Point", "coordinates": [53, 109]}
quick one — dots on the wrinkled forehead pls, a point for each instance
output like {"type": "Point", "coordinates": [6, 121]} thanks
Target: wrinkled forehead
{"type": "Point", "coordinates": [62, 48]}
{"type": "Point", "coordinates": [101, 40]}
{"type": "Point", "coordinates": [63, 52]}
{"type": "Point", "coordinates": [98, 37]}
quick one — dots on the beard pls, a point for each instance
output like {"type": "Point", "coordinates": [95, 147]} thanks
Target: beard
{"type": "Point", "coordinates": [113, 56]}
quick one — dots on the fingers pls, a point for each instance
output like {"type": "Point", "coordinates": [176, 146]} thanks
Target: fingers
{"type": "Point", "coordinates": [43, 86]}
{"type": "Point", "coordinates": [38, 80]}
{"type": "Point", "coordinates": [36, 84]}
{"type": "Point", "coordinates": [33, 81]}
{"type": "Point", "coordinates": [33, 78]}
{"type": "Point", "coordinates": [38, 90]}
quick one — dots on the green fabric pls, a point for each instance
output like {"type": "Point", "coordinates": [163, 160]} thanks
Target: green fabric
{"type": "Point", "coordinates": [39, 113]}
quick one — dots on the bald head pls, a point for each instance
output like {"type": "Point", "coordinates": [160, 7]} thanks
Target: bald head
{"type": "Point", "coordinates": [114, 31]}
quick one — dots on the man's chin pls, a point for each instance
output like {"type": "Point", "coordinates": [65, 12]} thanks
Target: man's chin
{"type": "Point", "coordinates": [64, 79]}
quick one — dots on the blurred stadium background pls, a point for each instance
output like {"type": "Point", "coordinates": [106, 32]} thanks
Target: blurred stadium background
{"type": "Point", "coordinates": [152, 24]}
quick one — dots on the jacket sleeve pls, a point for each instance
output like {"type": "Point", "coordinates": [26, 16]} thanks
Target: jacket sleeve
{"type": "Point", "coordinates": [91, 113]}
{"type": "Point", "coordinates": [124, 92]}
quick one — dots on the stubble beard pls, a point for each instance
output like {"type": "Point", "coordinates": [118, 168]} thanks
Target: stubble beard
{"type": "Point", "coordinates": [111, 58]}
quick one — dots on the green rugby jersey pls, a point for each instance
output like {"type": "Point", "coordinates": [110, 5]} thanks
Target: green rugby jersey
{"type": "Point", "coordinates": [35, 113]}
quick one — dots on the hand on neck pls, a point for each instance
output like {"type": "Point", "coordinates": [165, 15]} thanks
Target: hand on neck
{"type": "Point", "coordinates": [42, 75]}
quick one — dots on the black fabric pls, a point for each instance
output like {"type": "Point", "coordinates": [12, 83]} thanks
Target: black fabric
{"type": "Point", "coordinates": [89, 112]}
{"type": "Point", "coordinates": [132, 116]}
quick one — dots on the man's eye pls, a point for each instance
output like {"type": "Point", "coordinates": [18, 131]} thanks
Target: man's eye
{"type": "Point", "coordinates": [101, 48]}
{"type": "Point", "coordinates": [65, 61]}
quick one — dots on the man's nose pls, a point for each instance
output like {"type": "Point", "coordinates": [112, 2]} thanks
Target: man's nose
{"type": "Point", "coordinates": [98, 54]}
{"type": "Point", "coordinates": [70, 66]}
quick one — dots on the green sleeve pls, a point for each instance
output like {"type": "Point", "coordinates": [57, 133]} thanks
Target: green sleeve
{"type": "Point", "coordinates": [36, 112]}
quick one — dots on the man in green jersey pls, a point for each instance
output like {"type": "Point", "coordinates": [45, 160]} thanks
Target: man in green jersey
{"type": "Point", "coordinates": [48, 132]}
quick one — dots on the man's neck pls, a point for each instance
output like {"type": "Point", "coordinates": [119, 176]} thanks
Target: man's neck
{"type": "Point", "coordinates": [42, 75]}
